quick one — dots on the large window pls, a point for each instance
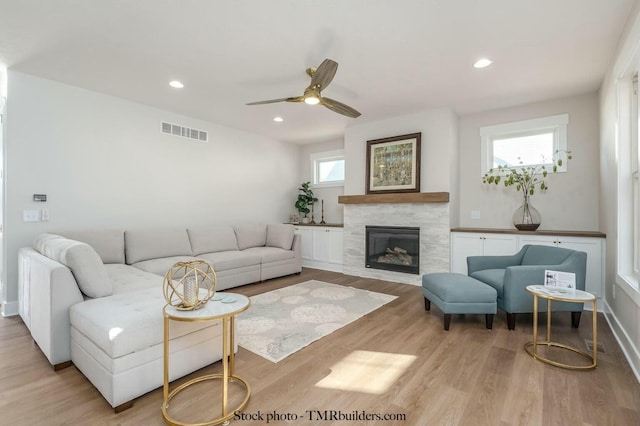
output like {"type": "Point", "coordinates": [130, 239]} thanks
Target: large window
{"type": "Point", "coordinates": [327, 168]}
{"type": "Point", "coordinates": [524, 143]}
{"type": "Point", "coordinates": [628, 182]}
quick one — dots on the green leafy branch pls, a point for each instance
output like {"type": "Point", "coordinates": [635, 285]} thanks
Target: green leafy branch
{"type": "Point", "coordinates": [527, 179]}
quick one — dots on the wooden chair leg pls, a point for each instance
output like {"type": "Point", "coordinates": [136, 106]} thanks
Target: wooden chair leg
{"type": "Point", "coordinates": [575, 319]}
{"type": "Point", "coordinates": [511, 321]}
{"type": "Point", "coordinates": [427, 304]}
{"type": "Point", "coordinates": [447, 321]}
{"type": "Point", "coordinates": [62, 365]}
{"type": "Point", "coordinates": [125, 406]}
{"type": "Point", "coordinates": [489, 321]}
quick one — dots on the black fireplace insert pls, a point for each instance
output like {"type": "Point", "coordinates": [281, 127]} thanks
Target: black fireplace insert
{"type": "Point", "coordinates": [393, 248]}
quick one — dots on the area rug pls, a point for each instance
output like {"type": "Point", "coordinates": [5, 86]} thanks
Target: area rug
{"type": "Point", "coordinates": [283, 321]}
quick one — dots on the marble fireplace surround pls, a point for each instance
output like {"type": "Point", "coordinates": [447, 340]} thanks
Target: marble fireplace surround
{"type": "Point", "coordinates": [427, 210]}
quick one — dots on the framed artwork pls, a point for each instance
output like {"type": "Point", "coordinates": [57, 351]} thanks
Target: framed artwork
{"type": "Point", "coordinates": [393, 164]}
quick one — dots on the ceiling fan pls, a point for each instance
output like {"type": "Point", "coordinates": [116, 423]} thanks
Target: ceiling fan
{"type": "Point", "coordinates": [320, 79]}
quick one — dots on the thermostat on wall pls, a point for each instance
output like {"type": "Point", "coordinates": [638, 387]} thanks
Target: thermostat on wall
{"type": "Point", "coordinates": [40, 197]}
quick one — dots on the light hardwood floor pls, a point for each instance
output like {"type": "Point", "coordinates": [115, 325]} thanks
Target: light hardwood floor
{"type": "Point", "coordinates": [407, 364]}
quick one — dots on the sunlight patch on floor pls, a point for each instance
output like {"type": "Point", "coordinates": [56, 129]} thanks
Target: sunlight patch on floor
{"type": "Point", "coordinates": [366, 371]}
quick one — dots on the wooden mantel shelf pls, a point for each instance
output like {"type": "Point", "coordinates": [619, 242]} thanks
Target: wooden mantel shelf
{"type": "Point", "coordinates": [408, 197]}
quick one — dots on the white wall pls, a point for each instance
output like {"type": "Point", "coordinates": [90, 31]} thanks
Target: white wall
{"type": "Point", "coordinates": [439, 129]}
{"type": "Point", "coordinates": [575, 191]}
{"type": "Point", "coordinates": [622, 302]}
{"type": "Point", "coordinates": [333, 212]}
{"type": "Point", "coordinates": [103, 162]}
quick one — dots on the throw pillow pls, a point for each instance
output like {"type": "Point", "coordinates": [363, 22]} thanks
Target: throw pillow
{"type": "Point", "coordinates": [251, 236]}
{"type": "Point", "coordinates": [280, 235]}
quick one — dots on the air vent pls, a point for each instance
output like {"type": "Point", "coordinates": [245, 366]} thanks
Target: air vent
{"type": "Point", "coordinates": [185, 132]}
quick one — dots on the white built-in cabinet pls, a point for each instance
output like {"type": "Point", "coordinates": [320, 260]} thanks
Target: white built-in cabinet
{"type": "Point", "coordinates": [322, 247]}
{"type": "Point", "coordinates": [472, 244]}
{"type": "Point", "coordinates": [500, 242]}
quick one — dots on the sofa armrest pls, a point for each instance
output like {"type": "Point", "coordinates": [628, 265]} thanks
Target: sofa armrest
{"type": "Point", "coordinates": [47, 290]}
{"type": "Point", "coordinates": [297, 250]}
{"type": "Point", "coordinates": [517, 278]}
{"type": "Point", "coordinates": [479, 263]}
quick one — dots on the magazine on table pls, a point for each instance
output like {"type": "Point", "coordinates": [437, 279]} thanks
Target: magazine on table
{"type": "Point", "coordinates": [557, 282]}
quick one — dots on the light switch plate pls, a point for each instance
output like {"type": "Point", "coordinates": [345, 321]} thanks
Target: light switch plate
{"type": "Point", "coordinates": [475, 214]}
{"type": "Point", "coordinates": [30, 216]}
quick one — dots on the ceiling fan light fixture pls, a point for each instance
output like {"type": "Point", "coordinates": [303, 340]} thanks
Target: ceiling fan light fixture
{"type": "Point", "coordinates": [311, 100]}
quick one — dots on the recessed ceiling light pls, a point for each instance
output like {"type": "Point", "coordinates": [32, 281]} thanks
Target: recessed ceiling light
{"type": "Point", "coordinates": [484, 62]}
{"type": "Point", "coordinates": [278, 119]}
{"type": "Point", "coordinates": [176, 84]}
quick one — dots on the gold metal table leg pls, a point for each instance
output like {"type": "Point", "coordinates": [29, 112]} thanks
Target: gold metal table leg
{"type": "Point", "coordinates": [532, 347]}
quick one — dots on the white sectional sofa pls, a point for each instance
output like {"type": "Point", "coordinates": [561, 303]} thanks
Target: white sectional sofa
{"type": "Point", "coordinates": [95, 297]}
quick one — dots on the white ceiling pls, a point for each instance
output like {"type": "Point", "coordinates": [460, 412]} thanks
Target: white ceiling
{"type": "Point", "coordinates": [395, 57]}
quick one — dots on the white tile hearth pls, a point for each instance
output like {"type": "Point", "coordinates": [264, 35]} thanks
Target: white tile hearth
{"type": "Point", "coordinates": [433, 220]}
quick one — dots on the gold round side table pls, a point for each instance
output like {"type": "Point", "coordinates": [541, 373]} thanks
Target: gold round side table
{"type": "Point", "coordinates": [561, 295]}
{"type": "Point", "coordinates": [225, 309]}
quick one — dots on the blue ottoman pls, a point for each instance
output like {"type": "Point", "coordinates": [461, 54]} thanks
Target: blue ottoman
{"type": "Point", "coordinates": [459, 294]}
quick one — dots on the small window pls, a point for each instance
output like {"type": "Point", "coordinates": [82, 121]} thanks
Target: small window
{"type": "Point", "coordinates": [524, 143]}
{"type": "Point", "coordinates": [327, 168]}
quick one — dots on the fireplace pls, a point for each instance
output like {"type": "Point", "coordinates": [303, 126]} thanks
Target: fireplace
{"type": "Point", "coordinates": [393, 248]}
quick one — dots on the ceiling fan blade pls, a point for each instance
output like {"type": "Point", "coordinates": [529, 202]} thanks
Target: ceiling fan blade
{"type": "Point", "coordinates": [273, 101]}
{"type": "Point", "coordinates": [339, 107]}
{"type": "Point", "coordinates": [324, 74]}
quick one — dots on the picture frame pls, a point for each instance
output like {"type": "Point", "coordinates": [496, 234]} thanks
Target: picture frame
{"type": "Point", "coordinates": [393, 164]}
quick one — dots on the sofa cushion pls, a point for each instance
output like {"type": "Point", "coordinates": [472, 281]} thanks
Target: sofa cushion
{"type": "Point", "coordinates": [271, 254]}
{"type": "Point", "coordinates": [162, 265]}
{"type": "Point", "coordinates": [127, 278]}
{"type": "Point", "coordinates": [40, 244]}
{"type": "Point", "coordinates": [492, 277]}
{"type": "Point", "coordinates": [280, 235]}
{"type": "Point", "coordinates": [156, 243]}
{"type": "Point", "coordinates": [212, 239]}
{"type": "Point", "coordinates": [83, 261]}
{"type": "Point", "coordinates": [545, 255]}
{"type": "Point", "coordinates": [108, 243]}
{"type": "Point", "coordinates": [251, 236]}
{"type": "Point", "coordinates": [124, 323]}
{"type": "Point", "coordinates": [225, 260]}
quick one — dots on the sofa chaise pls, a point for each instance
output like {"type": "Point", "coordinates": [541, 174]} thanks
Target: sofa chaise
{"type": "Point", "coordinates": [94, 298]}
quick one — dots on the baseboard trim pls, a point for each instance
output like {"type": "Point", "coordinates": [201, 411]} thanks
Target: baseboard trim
{"type": "Point", "coordinates": [630, 352]}
{"type": "Point", "coordinates": [325, 266]}
{"type": "Point", "coordinates": [9, 309]}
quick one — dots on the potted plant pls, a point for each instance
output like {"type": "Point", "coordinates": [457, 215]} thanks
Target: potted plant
{"type": "Point", "coordinates": [527, 179]}
{"type": "Point", "coordinates": [305, 201]}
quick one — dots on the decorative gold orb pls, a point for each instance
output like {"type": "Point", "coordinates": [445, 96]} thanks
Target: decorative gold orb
{"type": "Point", "coordinates": [189, 285]}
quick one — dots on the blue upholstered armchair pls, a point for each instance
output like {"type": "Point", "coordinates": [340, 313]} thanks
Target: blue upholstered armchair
{"type": "Point", "coordinates": [510, 275]}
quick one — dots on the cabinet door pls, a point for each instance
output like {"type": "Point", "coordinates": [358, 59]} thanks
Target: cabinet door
{"type": "Point", "coordinates": [593, 248]}
{"type": "Point", "coordinates": [464, 244]}
{"type": "Point", "coordinates": [335, 245]}
{"type": "Point", "coordinates": [499, 244]}
{"type": "Point", "coordinates": [538, 240]}
{"type": "Point", "coordinates": [321, 244]}
{"type": "Point", "coordinates": [306, 238]}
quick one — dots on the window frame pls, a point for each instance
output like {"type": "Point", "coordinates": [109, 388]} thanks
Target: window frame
{"type": "Point", "coordinates": [556, 124]}
{"type": "Point", "coordinates": [320, 157]}
{"type": "Point", "coordinates": [628, 248]}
